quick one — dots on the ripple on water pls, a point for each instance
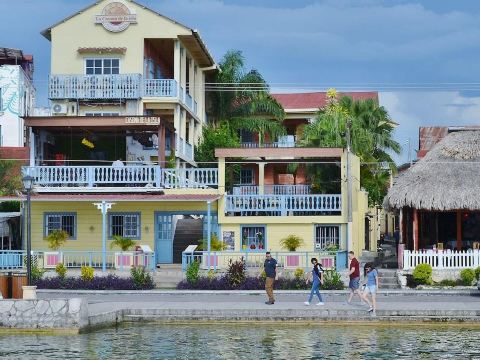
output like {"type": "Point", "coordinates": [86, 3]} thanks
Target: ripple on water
{"type": "Point", "coordinates": [279, 341]}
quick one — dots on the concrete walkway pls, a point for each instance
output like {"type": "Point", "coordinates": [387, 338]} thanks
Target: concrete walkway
{"type": "Point", "coordinates": [111, 308]}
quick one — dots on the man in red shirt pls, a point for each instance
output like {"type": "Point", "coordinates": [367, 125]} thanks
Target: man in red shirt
{"type": "Point", "coordinates": [354, 274]}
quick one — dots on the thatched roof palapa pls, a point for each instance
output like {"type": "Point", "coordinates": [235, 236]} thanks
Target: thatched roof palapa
{"type": "Point", "coordinates": [447, 178]}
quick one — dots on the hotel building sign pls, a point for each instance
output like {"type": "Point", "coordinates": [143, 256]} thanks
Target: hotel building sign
{"type": "Point", "coordinates": [116, 17]}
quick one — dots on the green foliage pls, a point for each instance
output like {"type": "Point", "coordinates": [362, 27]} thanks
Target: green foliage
{"type": "Point", "coordinates": [332, 247]}
{"type": "Point", "coordinates": [171, 160]}
{"type": "Point", "coordinates": [467, 276]}
{"type": "Point", "coordinates": [422, 274]}
{"type": "Point", "coordinates": [56, 239]}
{"type": "Point", "coordinates": [263, 275]}
{"type": "Point", "coordinates": [86, 273]}
{"type": "Point", "coordinates": [477, 273]}
{"type": "Point", "coordinates": [371, 139]}
{"type": "Point", "coordinates": [291, 242]}
{"type": "Point", "coordinates": [215, 244]}
{"type": "Point", "coordinates": [61, 270]}
{"type": "Point", "coordinates": [141, 278]}
{"type": "Point", "coordinates": [448, 282]}
{"type": "Point", "coordinates": [10, 180]}
{"type": "Point", "coordinates": [192, 272]}
{"type": "Point", "coordinates": [10, 206]}
{"type": "Point", "coordinates": [236, 272]}
{"type": "Point", "coordinates": [122, 242]}
{"type": "Point", "coordinates": [332, 280]}
{"type": "Point", "coordinates": [37, 273]}
{"type": "Point", "coordinates": [211, 274]}
{"type": "Point", "coordinates": [299, 273]}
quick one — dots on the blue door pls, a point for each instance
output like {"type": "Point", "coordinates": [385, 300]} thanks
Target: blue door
{"type": "Point", "coordinates": [164, 238]}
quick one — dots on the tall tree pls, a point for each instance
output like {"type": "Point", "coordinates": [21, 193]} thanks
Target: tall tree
{"type": "Point", "coordinates": [371, 138]}
{"type": "Point", "coordinates": [242, 98]}
{"type": "Point", "coordinates": [10, 180]}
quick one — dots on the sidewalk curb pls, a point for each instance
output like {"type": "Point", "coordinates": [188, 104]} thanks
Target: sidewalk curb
{"type": "Point", "coordinates": [464, 292]}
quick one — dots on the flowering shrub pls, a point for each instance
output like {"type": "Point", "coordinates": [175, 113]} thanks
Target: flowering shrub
{"type": "Point", "coordinates": [86, 273]}
{"type": "Point", "coordinates": [61, 270]}
{"type": "Point", "coordinates": [109, 282]}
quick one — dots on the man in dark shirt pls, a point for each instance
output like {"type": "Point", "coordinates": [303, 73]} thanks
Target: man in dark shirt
{"type": "Point", "coordinates": [270, 267]}
{"type": "Point", "coordinates": [354, 274]}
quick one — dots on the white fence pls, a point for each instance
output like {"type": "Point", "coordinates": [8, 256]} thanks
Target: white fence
{"type": "Point", "coordinates": [442, 259]}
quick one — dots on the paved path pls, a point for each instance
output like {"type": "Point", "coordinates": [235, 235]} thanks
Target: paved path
{"type": "Point", "coordinates": [335, 304]}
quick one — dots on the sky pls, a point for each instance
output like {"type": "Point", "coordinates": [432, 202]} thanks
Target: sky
{"type": "Point", "coordinates": [422, 56]}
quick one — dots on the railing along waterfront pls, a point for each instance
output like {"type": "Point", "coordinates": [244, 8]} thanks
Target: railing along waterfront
{"type": "Point", "coordinates": [122, 86]}
{"type": "Point", "coordinates": [272, 189]}
{"type": "Point", "coordinates": [131, 176]}
{"type": "Point", "coordinates": [16, 259]}
{"type": "Point", "coordinates": [219, 260]}
{"type": "Point", "coordinates": [281, 205]}
{"type": "Point", "coordinates": [442, 259]}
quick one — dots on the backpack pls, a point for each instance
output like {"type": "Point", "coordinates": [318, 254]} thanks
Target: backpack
{"type": "Point", "coordinates": [318, 270]}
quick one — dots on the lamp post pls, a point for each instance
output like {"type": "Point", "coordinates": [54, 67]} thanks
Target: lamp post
{"type": "Point", "coordinates": [104, 207]}
{"type": "Point", "coordinates": [28, 185]}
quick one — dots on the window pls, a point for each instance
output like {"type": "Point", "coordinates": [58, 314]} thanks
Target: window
{"type": "Point", "coordinates": [246, 177]}
{"type": "Point", "coordinates": [61, 221]}
{"type": "Point", "coordinates": [102, 66]}
{"type": "Point", "coordinates": [124, 224]}
{"type": "Point", "coordinates": [253, 237]}
{"type": "Point", "coordinates": [327, 235]}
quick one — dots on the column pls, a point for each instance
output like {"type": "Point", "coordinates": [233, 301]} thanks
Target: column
{"type": "Point", "coordinates": [415, 229]}
{"type": "Point", "coordinates": [459, 230]}
{"type": "Point", "coordinates": [161, 144]}
{"type": "Point", "coordinates": [221, 177]}
{"type": "Point", "coordinates": [191, 131]}
{"type": "Point", "coordinates": [176, 124]}
{"type": "Point", "coordinates": [261, 178]}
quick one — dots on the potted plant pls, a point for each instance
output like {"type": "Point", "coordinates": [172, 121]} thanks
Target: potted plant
{"type": "Point", "coordinates": [292, 243]}
{"type": "Point", "coordinates": [55, 240]}
{"type": "Point", "coordinates": [124, 244]}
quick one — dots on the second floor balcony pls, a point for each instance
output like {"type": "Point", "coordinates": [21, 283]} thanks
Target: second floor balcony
{"type": "Point", "coordinates": [119, 179]}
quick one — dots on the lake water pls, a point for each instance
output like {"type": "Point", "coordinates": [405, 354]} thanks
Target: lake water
{"type": "Point", "coordinates": [278, 341]}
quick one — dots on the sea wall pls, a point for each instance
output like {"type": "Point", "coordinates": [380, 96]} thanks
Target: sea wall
{"type": "Point", "coordinates": [44, 314]}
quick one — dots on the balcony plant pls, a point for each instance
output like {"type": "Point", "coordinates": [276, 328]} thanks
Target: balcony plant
{"type": "Point", "coordinates": [291, 242]}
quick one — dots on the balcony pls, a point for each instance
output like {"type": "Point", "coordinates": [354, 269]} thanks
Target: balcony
{"type": "Point", "coordinates": [183, 149]}
{"type": "Point", "coordinates": [111, 179]}
{"type": "Point", "coordinates": [123, 86]}
{"type": "Point", "coordinates": [287, 141]}
{"type": "Point", "coordinates": [283, 205]}
{"type": "Point", "coordinates": [272, 190]}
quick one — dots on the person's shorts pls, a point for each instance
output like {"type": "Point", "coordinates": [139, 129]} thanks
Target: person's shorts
{"type": "Point", "coordinates": [372, 289]}
{"type": "Point", "coordinates": [354, 284]}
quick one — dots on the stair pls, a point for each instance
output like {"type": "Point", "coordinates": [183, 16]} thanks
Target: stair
{"type": "Point", "coordinates": [388, 279]}
{"type": "Point", "coordinates": [187, 232]}
{"type": "Point", "coordinates": [167, 276]}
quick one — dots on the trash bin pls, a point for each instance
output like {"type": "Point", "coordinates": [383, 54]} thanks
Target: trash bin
{"type": "Point", "coordinates": [18, 281]}
{"type": "Point", "coordinates": [4, 285]}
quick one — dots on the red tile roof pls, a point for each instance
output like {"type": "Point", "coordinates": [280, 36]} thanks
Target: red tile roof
{"type": "Point", "coordinates": [115, 197]}
{"type": "Point", "coordinates": [315, 100]}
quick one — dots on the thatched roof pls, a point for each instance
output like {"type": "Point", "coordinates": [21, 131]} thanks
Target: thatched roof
{"type": "Point", "coordinates": [447, 178]}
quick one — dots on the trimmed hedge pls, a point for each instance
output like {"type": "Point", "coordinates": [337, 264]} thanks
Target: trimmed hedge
{"type": "Point", "coordinates": [109, 282]}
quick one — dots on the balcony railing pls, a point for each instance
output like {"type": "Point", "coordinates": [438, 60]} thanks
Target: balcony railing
{"type": "Point", "coordinates": [51, 178]}
{"type": "Point", "coordinates": [184, 149]}
{"type": "Point", "coordinates": [287, 141]}
{"type": "Point", "coordinates": [120, 86]}
{"type": "Point", "coordinates": [160, 87]}
{"type": "Point", "coordinates": [124, 86]}
{"type": "Point", "coordinates": [282, 205]}
{"type": "Point", "coordinates": [272, 189]}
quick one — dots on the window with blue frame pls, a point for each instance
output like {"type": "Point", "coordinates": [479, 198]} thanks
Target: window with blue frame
{"type": "Point", "coordinates": [253, 237]}
{"type": "Point", "coordinates": [61, 221]}
{"type": "Point", "coordinates": [102, 66]}
{"type": "Point", "coordinates": [327, 236]}
{"type": "Point", "coordinates": [124, 224]}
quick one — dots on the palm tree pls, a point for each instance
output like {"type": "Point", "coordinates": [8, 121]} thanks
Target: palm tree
{"type": "Point", "coordinates": [371, 138]}
{"type": "Point", "coordinates": [242, 99]}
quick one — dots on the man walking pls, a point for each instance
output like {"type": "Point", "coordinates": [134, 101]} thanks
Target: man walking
{"type": "Point", "coordinates": [270, 267]}
{"type": "Point", "coordinates": [354, 274]}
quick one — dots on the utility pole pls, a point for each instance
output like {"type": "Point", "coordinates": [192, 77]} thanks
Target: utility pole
{"type": "Point", "coordinates": [349, 189]}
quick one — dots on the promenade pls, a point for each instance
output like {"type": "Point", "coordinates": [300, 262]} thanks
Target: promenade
{"type": "Point", "coordinates": [108, 308]}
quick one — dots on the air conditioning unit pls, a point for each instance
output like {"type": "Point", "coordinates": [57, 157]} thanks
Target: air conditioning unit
{"type": "Point", "coordinates": [59, 109]}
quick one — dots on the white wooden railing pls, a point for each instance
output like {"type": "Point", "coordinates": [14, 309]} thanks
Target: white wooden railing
{"type": "Point", "coordinates": [446, 259]}
{"type": "Point", "coordinates": [272, 189]}
{"type": "Point", "coordinates": [159, 87]}
{"type": "Point", "coordinates": [183, 149]}
{"type": "Point", "coordinates": [281, 204]}
{"type": "Point", "coordinates": [131, 176]}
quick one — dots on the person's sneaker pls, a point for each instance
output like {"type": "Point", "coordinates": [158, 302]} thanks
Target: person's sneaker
{"type": "Point", "coordinates": [307, 303]}
{"type": "Point", "coordinates": [370, 310]}
{"type": "Point", "coordinates": [320, 303]}
{"type": "Point", "coordinates": [269, 302]}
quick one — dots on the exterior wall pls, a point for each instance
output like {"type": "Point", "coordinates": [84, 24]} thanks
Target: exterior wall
{"type": "Point", "coordinates": [17, 100]}
{"type": "Point", "coordinates": [89, 221]}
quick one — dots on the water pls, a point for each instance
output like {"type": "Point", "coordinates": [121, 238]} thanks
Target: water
{"type": "Point", "coordinates": [278, 341]}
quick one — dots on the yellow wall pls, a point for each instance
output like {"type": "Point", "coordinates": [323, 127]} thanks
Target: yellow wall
{"type": "Point", "coordinates": [81, 31]}
{"type": "Point", "coordinates": [89, 220]}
